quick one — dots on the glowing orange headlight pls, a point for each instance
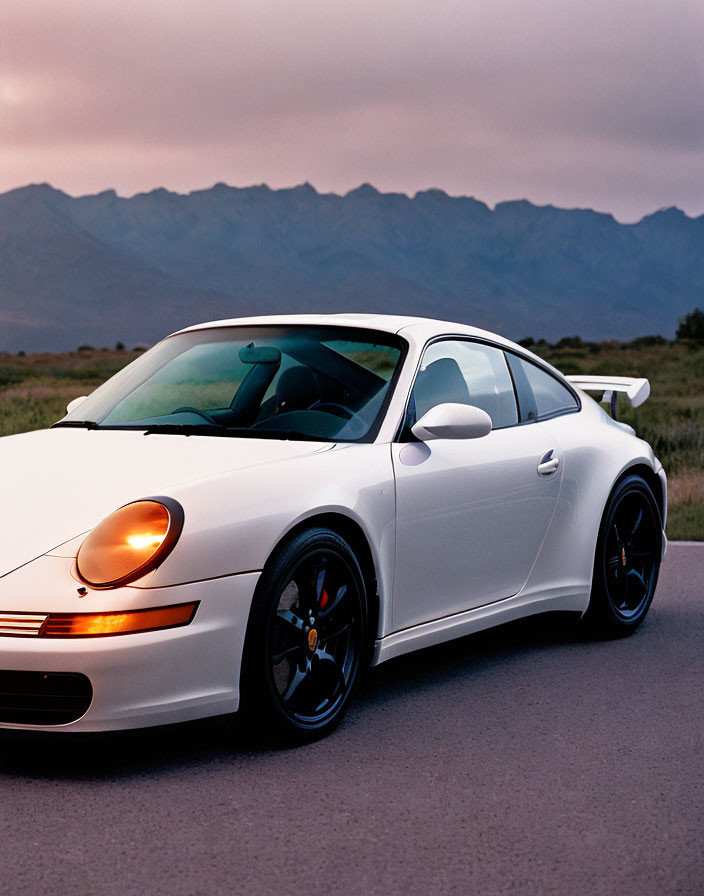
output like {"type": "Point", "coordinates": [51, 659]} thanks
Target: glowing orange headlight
{"type": "Point", "coordinates": [130, 542]}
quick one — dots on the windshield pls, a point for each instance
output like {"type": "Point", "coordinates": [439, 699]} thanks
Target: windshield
{"type": "Point", "coordinates": [298, 382]}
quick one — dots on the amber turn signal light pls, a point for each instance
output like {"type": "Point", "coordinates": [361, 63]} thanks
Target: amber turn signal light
{"type": "Point", "coordinates": [130, 542]}
{"type": "Point", "coordinates": [93, 625]}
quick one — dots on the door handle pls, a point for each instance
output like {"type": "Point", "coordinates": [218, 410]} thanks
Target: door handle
{"type": "Point", "coordinates": [548, 464]}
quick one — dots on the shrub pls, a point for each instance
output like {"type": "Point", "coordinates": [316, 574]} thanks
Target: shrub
{"type": "Point", "coordinates": [570, 342]}
{"type": "Point", "coordinates": [648, 341]}
{"type": "Point", "coordinates": [692, 326]}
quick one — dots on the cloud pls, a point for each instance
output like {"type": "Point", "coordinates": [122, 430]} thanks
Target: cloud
{"type": "Point", "coordinates": [576, 102]}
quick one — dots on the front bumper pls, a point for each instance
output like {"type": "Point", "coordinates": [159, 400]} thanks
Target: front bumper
{"type": "Point", "coordinates": [138, 680]}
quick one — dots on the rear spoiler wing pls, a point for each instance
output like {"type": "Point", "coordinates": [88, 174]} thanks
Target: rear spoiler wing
{"type": "Point", "coordinates": [636, 390]}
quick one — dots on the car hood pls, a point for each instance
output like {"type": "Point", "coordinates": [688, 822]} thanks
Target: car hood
{"type": "Point", "coordinates": [56, 484]}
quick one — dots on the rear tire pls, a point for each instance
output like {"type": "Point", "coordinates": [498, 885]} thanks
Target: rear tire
{"type": "Point", "coordinates": [627, 560]}
{"type": "Point", "coordinates": [306, 638]}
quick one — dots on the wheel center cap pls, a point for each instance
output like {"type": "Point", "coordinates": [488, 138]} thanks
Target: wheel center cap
{"type": "Point", "coordinates": [312, 639]}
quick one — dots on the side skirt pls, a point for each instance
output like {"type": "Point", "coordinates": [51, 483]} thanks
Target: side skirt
{"type": "Point", "coordinates": [564, 599]}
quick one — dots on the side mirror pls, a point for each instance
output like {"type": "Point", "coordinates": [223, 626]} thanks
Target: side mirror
{"type": "Point", "coordinates": [76, 403]}
{"type": "Point", "coordinates": [452, 421]}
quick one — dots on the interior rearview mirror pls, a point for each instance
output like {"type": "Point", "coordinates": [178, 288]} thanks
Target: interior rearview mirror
{"type": "Point", "coordinates": [452, 421]}
{"type": "Point", "coordinates": [265, 354]}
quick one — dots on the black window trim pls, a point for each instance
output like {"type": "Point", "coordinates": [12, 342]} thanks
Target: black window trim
{"type": "Point", "coordinates": [449, 337]}
{"type": "Point", "coordinates": [560, 379]}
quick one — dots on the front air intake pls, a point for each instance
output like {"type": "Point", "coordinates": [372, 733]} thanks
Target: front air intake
{"type": "Point", "coordinates": [43, 698]}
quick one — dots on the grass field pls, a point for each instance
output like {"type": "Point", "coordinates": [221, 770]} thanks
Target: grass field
{"type": "Point", "coordinates": [35, 389]}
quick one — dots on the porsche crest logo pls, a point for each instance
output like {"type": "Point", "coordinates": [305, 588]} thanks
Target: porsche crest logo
{"type": "Point", "coordinates": [312, 639]}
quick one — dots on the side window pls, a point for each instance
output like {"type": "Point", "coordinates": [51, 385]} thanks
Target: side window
{"type": "Point", "coordinates": [539, 393]}
{"type": "Point", "coordinates": [464, 372]}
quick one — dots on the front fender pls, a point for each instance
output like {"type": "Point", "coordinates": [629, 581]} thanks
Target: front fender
{"type": "Point", "coordinates": [234, 521]}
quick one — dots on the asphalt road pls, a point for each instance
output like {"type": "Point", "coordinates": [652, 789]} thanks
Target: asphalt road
{"type": "Point", "coordinates": [523, 760]}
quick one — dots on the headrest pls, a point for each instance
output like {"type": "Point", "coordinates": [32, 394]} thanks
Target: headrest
{"type": "Point", "coordinates": [440, 382]}
{"type": "Point", "coordinates": [297, 389]}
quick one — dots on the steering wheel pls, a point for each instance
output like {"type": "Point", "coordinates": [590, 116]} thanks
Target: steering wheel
{"type": "Point", "coordinates": [198, 412]}
{"type": "Point", "coordinates": [347, 413]}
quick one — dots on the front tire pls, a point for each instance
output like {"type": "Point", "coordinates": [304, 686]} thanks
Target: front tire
{"type": "Point", "coordinates": [627, 560]}
{"type": "Point", "coordinates": [306, 638]}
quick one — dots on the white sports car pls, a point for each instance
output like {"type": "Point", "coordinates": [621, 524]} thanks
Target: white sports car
{"type": "Point", "coordinates": [255, 509]}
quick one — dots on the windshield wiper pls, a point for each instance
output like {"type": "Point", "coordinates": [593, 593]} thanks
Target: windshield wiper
{"type": "Point", "coordinates": [201, 429]}
{"type": "Point", "coordinates": [76, 424]}
{"type": "Point", "coordinates": [196, 429]}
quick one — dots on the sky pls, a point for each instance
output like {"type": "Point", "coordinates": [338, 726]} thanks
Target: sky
{"type": "Point", "coordinates": [594, 104]}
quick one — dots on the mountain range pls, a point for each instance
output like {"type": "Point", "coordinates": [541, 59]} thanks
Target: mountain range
{"type": "Point", "coordinates": [102, 268]}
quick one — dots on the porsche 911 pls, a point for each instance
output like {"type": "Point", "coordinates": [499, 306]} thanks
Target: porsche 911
{"type": "Point", "coordinates": [255, 510]}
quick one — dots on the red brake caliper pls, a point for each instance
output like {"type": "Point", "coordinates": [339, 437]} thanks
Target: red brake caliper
{"type": "Point", "coordinates": [324, 599]}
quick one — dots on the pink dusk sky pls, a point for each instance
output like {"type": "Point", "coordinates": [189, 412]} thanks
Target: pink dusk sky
{"type": "Point", "coordinates": [597, 103]}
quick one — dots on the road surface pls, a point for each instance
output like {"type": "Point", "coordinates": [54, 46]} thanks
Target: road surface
{"type": "Point", "coordinates": [523, 760]}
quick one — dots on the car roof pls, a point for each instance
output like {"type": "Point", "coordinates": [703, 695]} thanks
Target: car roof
{"type": "Point", "coordinates": [417, 329]}
{"type": "Point", "coordinates": [388, 323]}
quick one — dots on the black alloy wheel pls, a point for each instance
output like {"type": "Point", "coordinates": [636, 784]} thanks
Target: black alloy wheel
{"type": "Point", "coordinates": [627, 559]}
{"type": "Point", "coordinates": [306, 637]}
